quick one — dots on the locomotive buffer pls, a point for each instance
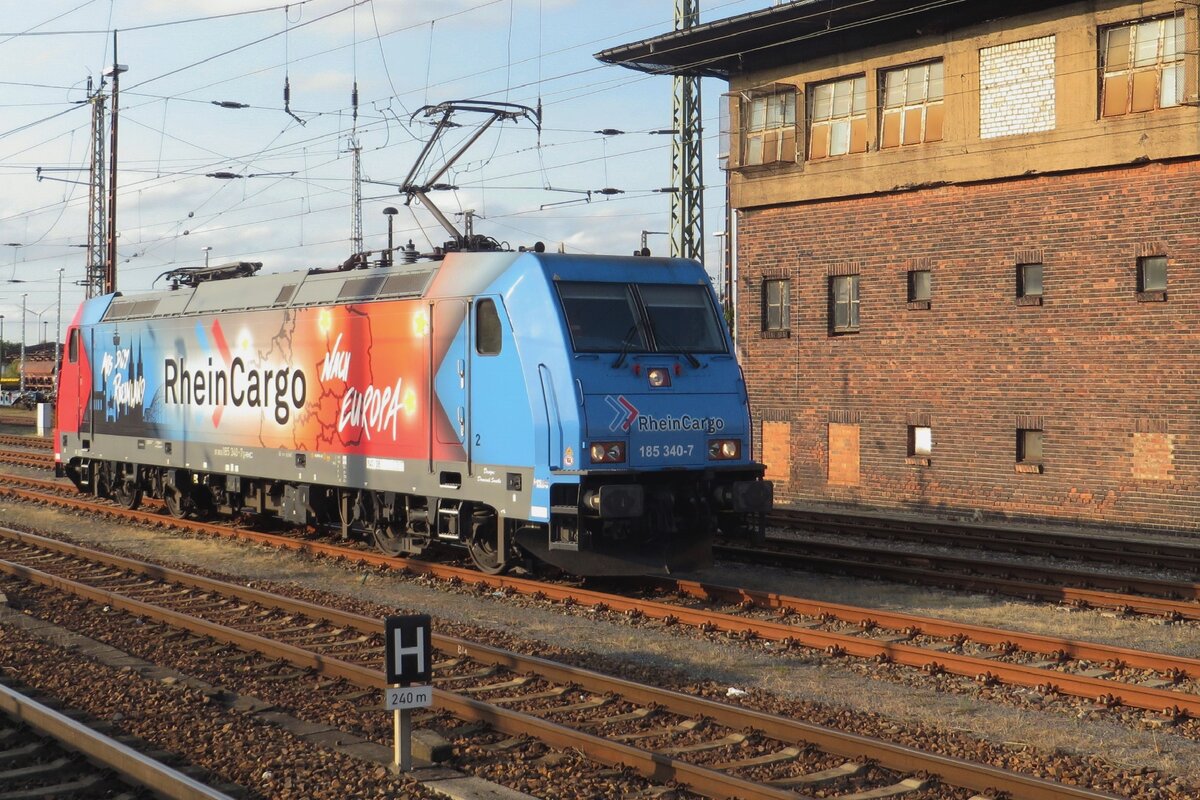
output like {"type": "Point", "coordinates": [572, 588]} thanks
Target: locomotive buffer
{"type": "Point", "coordinates": [408, 661]}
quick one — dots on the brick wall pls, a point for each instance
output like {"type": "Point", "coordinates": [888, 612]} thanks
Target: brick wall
{"type": "Point", "coordinates": [1112, 380]}
{"type": "Point", "coordinates": [1016, 88]}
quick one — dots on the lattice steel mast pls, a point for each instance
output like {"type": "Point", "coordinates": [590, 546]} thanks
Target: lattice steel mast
{"type": "Point", "coordinates": [687, 172]}
{"type": "Point", "coordinates": [96, 245]}
{"type": "Point", "coordinates": [356, 225]}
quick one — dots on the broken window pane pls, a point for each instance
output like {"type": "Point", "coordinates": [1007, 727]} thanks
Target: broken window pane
{"type": "Point", "coordinates": [1142, 66]}
{"type": "Point", "coordinates": [912, 101]}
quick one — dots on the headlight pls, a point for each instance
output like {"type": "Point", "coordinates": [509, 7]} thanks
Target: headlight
{"type": "Point", "coordinates": [724, 449]}
{"type": "Point", "coordinates": [658, 377]}
{"type": "Point", "coordinates": [607, 452]}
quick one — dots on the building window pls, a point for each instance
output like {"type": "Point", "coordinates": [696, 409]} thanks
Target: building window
{"type": "Point", "coordinates": [1152, 278]}
{"type": "Point", "coordinates": [920, 441]}
{"type": "Point", "coordinates": [920, 288]}
{"type": "Point", "coordinates": [776, 304]}
{"type": "Point", "coordinates": [838, 114]}
{"type": "Point", "coordinates": [1029, 284]}
{"type": "Point", "coordinates": [912, 105]}
{"type": "Point", "coordinates": [769, 126]}
{"type": "Point", "coordinates": [843, 303]}
{"type": "Point", "coordinates": [1152, 274]}
{"type": "Point", "coordinates": [1142, 66]}
{"type": "Point", "coordinates": [1029, 450]}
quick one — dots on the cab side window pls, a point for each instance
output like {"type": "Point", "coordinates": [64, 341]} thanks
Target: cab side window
{"type": "Point", "coordinates": [73, 346]}
{"type": "Point", "coordinates": [488, 334]}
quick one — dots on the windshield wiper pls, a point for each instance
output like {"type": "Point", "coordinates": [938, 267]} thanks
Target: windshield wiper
{"type": "Point", "coordinates": [627, 344]}
{"type": "Point", "coordinates": [695, 362]}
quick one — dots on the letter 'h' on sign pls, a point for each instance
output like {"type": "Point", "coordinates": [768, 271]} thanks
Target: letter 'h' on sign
{"type": "Point", "coordinates": [409, 649]}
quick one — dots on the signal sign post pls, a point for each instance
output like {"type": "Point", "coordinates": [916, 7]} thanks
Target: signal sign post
{"type": "Point", "coordinates": [408, 660]}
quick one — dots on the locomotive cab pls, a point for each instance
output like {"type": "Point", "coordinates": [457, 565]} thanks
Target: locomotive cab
{"type": "Point", "coordinates": [656, 450]}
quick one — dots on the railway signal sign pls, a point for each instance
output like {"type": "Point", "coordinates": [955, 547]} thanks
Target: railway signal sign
{"type": "Point", "coordinates": [408, 659]}
{"type": "Point", "coordinates": [409, 652]}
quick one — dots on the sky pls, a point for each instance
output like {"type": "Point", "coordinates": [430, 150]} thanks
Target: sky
{"type": "Point", "coordinates": [291, 209]}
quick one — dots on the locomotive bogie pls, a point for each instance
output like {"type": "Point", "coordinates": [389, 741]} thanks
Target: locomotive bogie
{"type": "Point", "coordinates": [584, 412]}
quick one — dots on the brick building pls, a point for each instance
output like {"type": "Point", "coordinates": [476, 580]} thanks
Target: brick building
{"type": "Point", "coordinates": [967, 251]}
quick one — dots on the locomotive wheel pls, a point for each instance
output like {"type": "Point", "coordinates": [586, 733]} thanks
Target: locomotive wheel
{"type": "Point", "coordinates": [390, 539]}
{"type": "Point", "coordinates": [178, 504]}
{"type": "Point", "coordinates": [125, 488]}
{"type": "Point", "coordinates": [484, 546]}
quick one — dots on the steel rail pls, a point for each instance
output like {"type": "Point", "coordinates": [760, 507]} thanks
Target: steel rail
{"type": "Point", "coordinates": [932, 626]}
{"type": "Point", "coordinates": [136, 767]}
{"type": "Point", "coordinates": [649, 764]}
{"type": "Point", "coordinates": [958, 772]}
{"type": "Point", "coordinates": [1105, 692]}
{"type": "Point", "coordinates": [898, 565]}
{"type": "Point", "coordinates": [27, 459]}
{"type": "Point", "coordinates": [34, 442]}
{"type": "Point", "coordinates": [1055, 590]}
{"type": "Point", "coordinates": [1090, 547]}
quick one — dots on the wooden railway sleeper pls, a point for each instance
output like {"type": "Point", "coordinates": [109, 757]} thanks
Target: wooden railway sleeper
{"type": "Point", "coordinates": [715, 744]}
{"type": "Point", "coordinates": [486, 672]}
{"type": "Point", "coordinates": [906, 786]}
{"type": "Point", "coordinates": [593, 701]}
{"type": "Point", "coordinates": [515, 683]}
{"type": "Point", "coordinates": [671, 730]}
{"type": "Point", "coordinates": [549, 694]}
{"type": "Point", "coordinates": [850, 769]}
{"type": "Point", "coordinates": [778, 757]}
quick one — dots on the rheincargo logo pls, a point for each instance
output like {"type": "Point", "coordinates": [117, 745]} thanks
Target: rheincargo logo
{"type": "Point", "coordinates": [684, 423]}
{"type": "Point", "coordinates": [285, 389]}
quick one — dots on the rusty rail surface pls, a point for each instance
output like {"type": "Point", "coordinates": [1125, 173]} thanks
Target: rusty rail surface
{"type": "Point", "coordinates": [25, 458]}
{"type": "Point", "coordinates": [1129, 550]}
{"type": "Point", "coordinates": [1174, 600]}
{"type": "Point", "coordinates": [32, 442]}
{"type": "Point", "coordinates": [1046, 678]}
{"type": "Point", "coordinates": [1097, 689]}
{"type": "Point", "coordinates": [139, 770]}
{"type": "Point", "coordinates": [658, 766]}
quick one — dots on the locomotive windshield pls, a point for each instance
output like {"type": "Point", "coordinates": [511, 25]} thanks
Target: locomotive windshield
{"type": "Point", "coordinates": [664, 318]}
{"type": "Point", "coordinates": [681, 319]}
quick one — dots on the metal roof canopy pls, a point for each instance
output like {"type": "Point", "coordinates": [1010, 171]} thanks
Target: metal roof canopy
{"type": "Point", "coordinates": [814, 28]}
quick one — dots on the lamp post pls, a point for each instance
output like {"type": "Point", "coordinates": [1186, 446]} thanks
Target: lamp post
{"type": "Point", "coordinates": [207, 250]}
{"type": "Point", "coordinates": [1, 344]}
{"type": "Point", "coordinates": [23, 341]}
{"type": "Point", "coordinates": [58, 324]}
{"type": "Point", "coordinates": [110, 265]}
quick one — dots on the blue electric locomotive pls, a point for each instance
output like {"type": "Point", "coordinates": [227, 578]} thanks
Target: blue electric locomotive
{"type": "Point", "coordinates": [588, 412]}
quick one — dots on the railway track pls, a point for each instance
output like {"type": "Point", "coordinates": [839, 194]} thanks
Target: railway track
{"type": "Point", "coordinates": [1107, 676]}
{"type": "Point", "coordinates": [1151, 553]}
{"type": "Point", "coordinates": [1172, 600]}
{"type": "Point", "coordinates": [31, 442]}
{"type": "Point", "coordinates": [715, 749]}
{"type": "Point", "coordinates": [1127, 594]}
{"type": "Point", "coordinates": [25, 458]}
{"type": "Point", "coordinates": [47, 754]}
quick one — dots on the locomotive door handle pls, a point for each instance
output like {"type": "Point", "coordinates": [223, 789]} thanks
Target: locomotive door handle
{"type": "Point", "coordinates": [462, 374]}
{"type": "Point", "coordinates": [462, 423]}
